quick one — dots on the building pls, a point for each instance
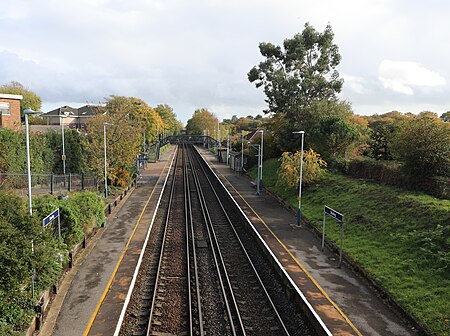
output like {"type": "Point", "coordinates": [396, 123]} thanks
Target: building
{"type": "Point", "coordinates": [10, 111]}
{"type": "Point", "coordinates": [72, 117]}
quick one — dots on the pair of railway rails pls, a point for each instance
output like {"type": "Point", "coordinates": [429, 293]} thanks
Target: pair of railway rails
{"type": "Point", "coordinates": [202, 272]}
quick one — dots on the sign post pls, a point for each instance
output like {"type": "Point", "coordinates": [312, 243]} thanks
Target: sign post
{"type": "Point", "coordinates": [340, 220]}
{"type": "Point", "coordinates": [50, 218]}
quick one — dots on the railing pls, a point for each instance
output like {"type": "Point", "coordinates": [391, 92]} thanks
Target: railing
{"type": "Point", "coordinates": [48, 183]}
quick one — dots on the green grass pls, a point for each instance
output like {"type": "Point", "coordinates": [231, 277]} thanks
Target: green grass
{"type": "Point", "coordinates": [399, 237]}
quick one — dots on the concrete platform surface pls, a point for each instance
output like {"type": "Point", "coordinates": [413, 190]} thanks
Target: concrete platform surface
{"type": "Point", "coordinates": [84, 289]}
{"type": "Point", "coordinates": [347, 292]}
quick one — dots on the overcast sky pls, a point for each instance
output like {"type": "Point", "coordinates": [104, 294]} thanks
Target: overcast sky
{"type": "Point", "coordinates": [196, 53]}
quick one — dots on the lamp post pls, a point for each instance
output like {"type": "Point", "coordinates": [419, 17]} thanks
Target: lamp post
{"type": "Point", "coordinates": [299, 211]}
{"type": "Point", "coordinates": [242, 152]}
{"type": "Point", "coordinates": [260, 148]}
{"type": "Point", "coordinates": [63, 156]}
{"type": "Point", "coordinates": [261, 156]}
{"type": "Point", "coordinates": [228, 146]}
{"type": "Point", "coordinates": [28, 112]}
{"type": "Point", "coordinates": [104, 141]}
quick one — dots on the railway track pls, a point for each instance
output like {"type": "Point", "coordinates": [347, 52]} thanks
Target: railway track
{"type": "Point", "coordinates": [202, 274]}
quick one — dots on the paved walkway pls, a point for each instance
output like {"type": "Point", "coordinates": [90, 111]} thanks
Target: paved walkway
{"type": "Point", "coordinates": [83, 289]}
{"type": "Point", "coordinates": [349, 293]}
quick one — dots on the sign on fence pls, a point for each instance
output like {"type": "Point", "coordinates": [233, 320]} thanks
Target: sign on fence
{"type": "Point", "coordinates": [340, 220]}
{"type": "Point", "coordinates": [50, 218]}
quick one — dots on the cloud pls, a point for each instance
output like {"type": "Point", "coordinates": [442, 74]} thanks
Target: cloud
{"type": "Point", "coordinates": [355, 84]}
{"type": "Point", "coordinates": [400, 76]}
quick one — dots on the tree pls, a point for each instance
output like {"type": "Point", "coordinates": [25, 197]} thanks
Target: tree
{"type": "Point", "coordinates": [423, 144]}
{"type": "Point", "coordinates": [75, 154]}
{"type": "Point", "coordinates": [171, 124]}
{"type": "Point", "coordinates": [332, 136]}
{"type": "Point", "coordinates": [445, 116]}
{"type": "Point", "coordinates": [305, 71]}
{"type": "Point", "coordinates": [381, 140]}
{"type": "Point", "coordinates": [130, 118]}
{"type": "Point", "coordinates": [30, 99]}
{"type": "Point", "coordinates": [201, 120]}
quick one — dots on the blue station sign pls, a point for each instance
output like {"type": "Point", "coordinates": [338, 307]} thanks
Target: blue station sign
{"type": "Point", "coordinates": [50, 218]}
{"type": "Point", "coordinates": [333, 213]}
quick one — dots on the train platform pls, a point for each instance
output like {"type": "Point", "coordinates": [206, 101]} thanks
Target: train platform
{"type": "Point", "coordinates": [91, 296]}
{"type": "Point", "coordinates": [342, 299]}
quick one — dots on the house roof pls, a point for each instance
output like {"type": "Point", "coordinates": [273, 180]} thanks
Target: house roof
{"type": "Point", "coordinates": [84, 111]}
{"type": "Point", "coordinates": [90, 110]}
{"type": "Point", "coordinates": [61, 111]}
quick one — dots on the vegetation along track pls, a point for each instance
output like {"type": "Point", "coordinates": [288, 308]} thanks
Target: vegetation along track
{"type": "Point", "coordinates": [202, 272]}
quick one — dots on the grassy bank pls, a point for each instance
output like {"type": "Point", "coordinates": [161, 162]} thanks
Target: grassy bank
{"type": "Point", "coordinates": [400, 238]}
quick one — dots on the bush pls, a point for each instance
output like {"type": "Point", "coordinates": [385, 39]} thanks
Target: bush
{"type": "Point", "coordinates": [89, 209]}
{"type": "Point", "coordinates": [423, 144]}
{"type": "Point", "coordinates": [289, 171]}
{"type": "Point", "coordinates": [17, 261]}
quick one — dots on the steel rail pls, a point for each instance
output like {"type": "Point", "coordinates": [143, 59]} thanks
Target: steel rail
{"type": "Point", "coordinates": [166, 222]}
{"type": "Point", "coordinates": [190, 238]}
{"type": "Point", "coordinates": [232, 308]}
{"type": "Point", "coordinates": [280, 321]}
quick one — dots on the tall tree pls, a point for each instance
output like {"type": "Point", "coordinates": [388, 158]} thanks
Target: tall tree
{"type": "Point", "coordinates": [302, 72]}
{"type": "Point", "coordinates": [201, 120]}
{"type": "Point", "coordinates": [30, 99]}
{"type": "Point", "coordinates": [172, 124]}
{"type": "Point", "coordinates": [130, 118]}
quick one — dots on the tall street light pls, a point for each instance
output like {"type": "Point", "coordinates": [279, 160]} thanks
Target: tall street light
{"type": "Point", "coordinates": [299, 212]}
{"type": "Point", "coordinates": [104, 141]}
{"type": "Point", "coordinates": [63, 156]}
{"type": "Point", "coordinates": [242, 152]}
{"type": "Point", "coordinates": [260, 148]}
{"type": "Point", "coordinates": [228, 145]}
{"type": "Point", "coordinates": [28, 112]}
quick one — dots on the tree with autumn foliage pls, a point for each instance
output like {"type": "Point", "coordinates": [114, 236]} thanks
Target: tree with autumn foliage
{"type": "Point", "coordinates": [171, 124]}
{"type": "Point", "coordinates": [130, 119]}
{"type": "Point", "coordinates": [201, 120]}
{"type": "Point", "coordinates": [30, 99]}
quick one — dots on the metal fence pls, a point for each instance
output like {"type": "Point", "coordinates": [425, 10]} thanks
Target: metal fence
{"type": "Point", "coordinates": [48, 183]}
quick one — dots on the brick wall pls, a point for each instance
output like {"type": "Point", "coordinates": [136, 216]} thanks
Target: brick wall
{"type": "Point", "coordinates": [11, 121]}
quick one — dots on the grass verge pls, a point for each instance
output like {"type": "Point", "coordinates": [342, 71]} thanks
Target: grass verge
{"type": "Point", "coordinates": [400, 238]}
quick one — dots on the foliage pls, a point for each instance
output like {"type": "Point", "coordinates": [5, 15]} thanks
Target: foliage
{"type": "Point", "coordinates": [29, 101]}
{"type": "Point", "coordinates": [79, 214]}
{"type": "Point", "coordinates": [171, 124]}
{"type": "Point", "coordinates": [333, 136]}
{"type": "Point", "coordinates": [201, 120]}
{"type": "Point", "coordinates": [89, 209]}
{"type": "Point", "coordinates": [17, 231]}
{"type": "Point", "coordinates": [445, 116]}
{"type": "Point", "coordinates": [120, 177]}
{"type": "Point", "coordinates": [129, 119]}
{"type": "Point", "coordinates": [289, 172]}
{"type": "Point", "coordinates": [423, 144]}
{"type": "Point", "coordinates": [13, 152]}
{"type": "Point", "coordinates": [304, 72]}
{"type": "Point", "coordinates": [75, 155]}
{"type": "Point", "coordinates": [381, 140]}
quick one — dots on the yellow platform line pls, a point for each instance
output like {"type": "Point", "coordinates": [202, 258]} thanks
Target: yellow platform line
{"type": "Point", "coordinates": [296, 261]}
{"type": "Point", "coordinates": [108, 285]}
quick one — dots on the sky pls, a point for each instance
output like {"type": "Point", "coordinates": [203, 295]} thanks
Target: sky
{"type": "Point", "coordinates": [197, 53]}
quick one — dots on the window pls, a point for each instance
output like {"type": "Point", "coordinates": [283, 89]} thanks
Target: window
{"type": "Point", "coordinates": [5, 108]}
